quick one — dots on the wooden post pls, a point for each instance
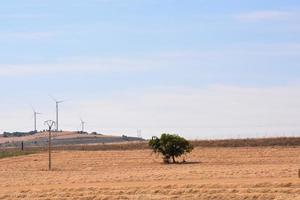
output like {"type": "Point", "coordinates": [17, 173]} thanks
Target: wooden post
{"type": "Point", "coordinates": [22, 146]}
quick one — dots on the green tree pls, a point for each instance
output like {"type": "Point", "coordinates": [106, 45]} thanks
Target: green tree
{"type": "Point", "coordinates": [170, 146]}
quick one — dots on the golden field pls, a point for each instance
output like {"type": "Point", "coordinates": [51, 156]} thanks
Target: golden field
{"type": "Point", "coordinates": [260, 173]}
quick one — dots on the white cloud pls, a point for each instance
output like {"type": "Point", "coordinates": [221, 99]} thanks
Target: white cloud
{"type": "Point", "coordinates": [267, 15]}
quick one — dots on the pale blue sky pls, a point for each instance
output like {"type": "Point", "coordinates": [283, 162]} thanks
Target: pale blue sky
{"type": "Point", "coordinates": [101, 55]}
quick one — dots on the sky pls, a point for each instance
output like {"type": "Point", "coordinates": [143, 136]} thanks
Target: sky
{"type": "Point", "coordinates": [200, 69]}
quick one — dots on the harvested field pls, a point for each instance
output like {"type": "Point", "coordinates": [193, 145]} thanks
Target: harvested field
{"type": "Point", "coordinates": [211, 173]}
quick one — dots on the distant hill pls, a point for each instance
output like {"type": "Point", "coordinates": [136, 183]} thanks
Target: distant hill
{"type": "Point", "coordinates": [60, 138]}
{"type": "Point", "coordinates": [18, 134]}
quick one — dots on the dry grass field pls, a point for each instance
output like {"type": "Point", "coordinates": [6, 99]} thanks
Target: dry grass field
{"type": "Point", "coordinates": [260, 173]}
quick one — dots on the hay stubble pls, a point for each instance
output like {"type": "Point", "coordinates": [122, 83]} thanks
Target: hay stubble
{"type": "Point", "coordinates": [216, 173]}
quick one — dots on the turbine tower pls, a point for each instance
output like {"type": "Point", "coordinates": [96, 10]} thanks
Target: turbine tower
{"type": "Point", "coordinates": [56, 103]}
{"type": "Point", "coordinates": [34, 116]}
{"type": "Point", "coordinates": [82, 125]}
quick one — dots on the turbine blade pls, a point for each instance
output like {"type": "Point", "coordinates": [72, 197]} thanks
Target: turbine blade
{"type": "Point", "coordinates": [32, 108]}
{"type": "Point", "coordinates": [52, 98]}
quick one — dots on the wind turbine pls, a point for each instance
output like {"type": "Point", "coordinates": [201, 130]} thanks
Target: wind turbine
{"type": "Point", "coordinates": [56, 103]}
{"type": "Point", "coordinates": [82, 125]}
{"type": "Point", "coordinates": [34, 116]}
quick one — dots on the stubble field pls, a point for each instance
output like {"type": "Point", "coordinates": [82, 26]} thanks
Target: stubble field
{"type": "Point", "coordinates": [210, 173]}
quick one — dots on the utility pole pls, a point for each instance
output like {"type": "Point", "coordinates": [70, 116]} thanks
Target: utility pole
{"type": "Point", "coordinates": [49, 123]}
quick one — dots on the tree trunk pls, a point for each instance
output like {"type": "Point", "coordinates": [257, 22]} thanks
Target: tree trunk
{"type": "Point", "coordinates": [173, 158]}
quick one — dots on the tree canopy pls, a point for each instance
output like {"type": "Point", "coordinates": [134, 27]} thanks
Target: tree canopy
{"type": "Point", "coordinates": [170, 146]}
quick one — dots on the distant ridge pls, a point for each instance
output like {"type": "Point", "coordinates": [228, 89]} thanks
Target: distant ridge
{"type": "Point", "coordinates": [249, 142]}
{"type": "Point", "coordinates": [133, 143]}
{"type": "Point", "coordinates": [40, 139]}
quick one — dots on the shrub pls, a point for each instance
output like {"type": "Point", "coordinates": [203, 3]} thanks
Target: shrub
{"type": "Point", "coordinates": [170, 146]}
{"type": "Point", "coordinates": [5, 154]}
{"type": "Point", "coordinates": [18, 134]}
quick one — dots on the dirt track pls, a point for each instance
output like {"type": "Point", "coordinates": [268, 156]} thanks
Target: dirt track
{"type": "Point", "coordinates": [216, 173]}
